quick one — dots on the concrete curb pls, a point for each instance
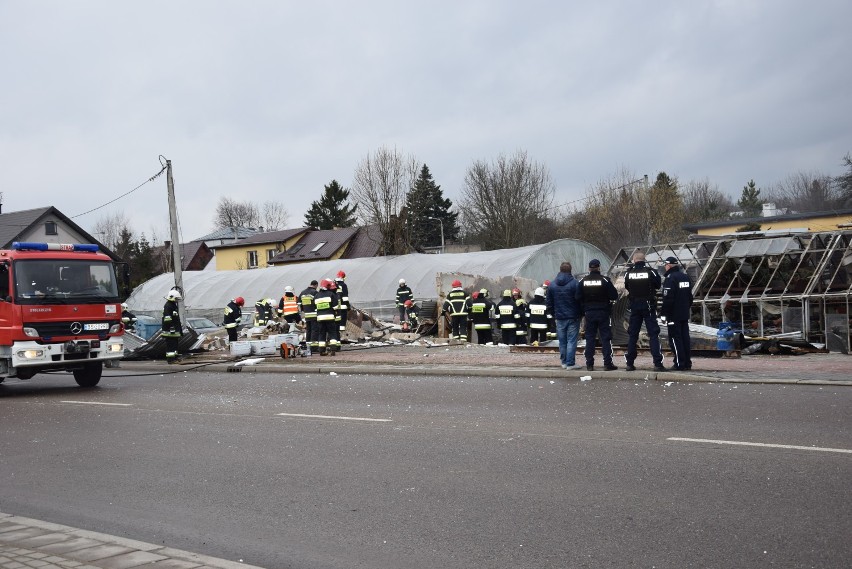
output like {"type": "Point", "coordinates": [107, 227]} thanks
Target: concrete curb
{"type": "Point", "coordinates": [34, 543]}
{"type": "Point", "coordinates": [495, 371]}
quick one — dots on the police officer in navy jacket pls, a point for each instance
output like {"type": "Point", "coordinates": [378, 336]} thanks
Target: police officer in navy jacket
{"type": "Point", "coordinates": [677, 300]}
{"type": "Point", "coordinates": [596, 294]}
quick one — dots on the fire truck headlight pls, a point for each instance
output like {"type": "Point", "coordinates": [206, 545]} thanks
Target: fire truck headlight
{"type": "Point", "coordinates": [30, 354]}
{"type": "Point", "coordinates": [116, 347]}
{"type": "Point", "coordinates": [115, 328]}
{"type": "Point", "coordinates": [31, 332]}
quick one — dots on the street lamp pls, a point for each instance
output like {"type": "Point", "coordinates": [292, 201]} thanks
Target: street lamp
{"type": "Point", "coordinates": [441, 221]}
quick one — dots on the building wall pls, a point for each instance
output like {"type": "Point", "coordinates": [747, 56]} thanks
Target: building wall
{"type": "Point", "coordinates": [828, 223]}
{"type": "Point", "coordinates": [64, 234]}
{"type": "Point", "coordinates": [236, 258]}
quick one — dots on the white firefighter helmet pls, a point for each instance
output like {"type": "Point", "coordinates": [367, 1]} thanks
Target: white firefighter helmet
{"type": "Point", "coordinates": [174, 294]}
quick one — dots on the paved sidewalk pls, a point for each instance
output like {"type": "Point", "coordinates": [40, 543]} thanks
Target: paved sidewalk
{"type": "Point", "coordinates": [27, 543]}
{"type": "Point", "coordinates": [502, 361]}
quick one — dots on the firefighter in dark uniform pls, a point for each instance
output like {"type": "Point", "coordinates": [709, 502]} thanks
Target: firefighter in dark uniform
{"type": "Point", "coordinates": [411, 315]}
{"type": "Point", "coordinates": [677, 300]}
{"type": "Point", "coordinates": [551, 325]}
{"type": "Point", "coordinates": [343, 297]}
{"type": "Point", "coordinates": [521, 330]}
{"type": "Point", "coordinates": [326, 330]}
{"type": "Point", "coordinates": [403, 293]}
{"type": "Point", "coordinates": [455, 306]}
{"type": "Point", "coordinates": [538, 317]}
{"type": "Point", "coordinates": [508, 318]}
{"type": "Point", "coordinates": [127, 318]}
{"type": "Point", "coordinates": [309, 313]}
{"type": "Point", "coordinates": [595, 294]}
{"type": "Point", "coordinates": [642, 283]}
{"type": "Point", "coordinates": [480, 310]}
{"type": "Point", "coordinates": [172, 327]}
{"type": "Point", "coordinates": [233, 317]}
{"type": "Point", "coordinates": [263, 312]}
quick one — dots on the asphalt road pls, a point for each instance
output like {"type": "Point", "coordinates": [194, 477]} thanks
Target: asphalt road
{"type": "Point", "coordinates": [352, 471]}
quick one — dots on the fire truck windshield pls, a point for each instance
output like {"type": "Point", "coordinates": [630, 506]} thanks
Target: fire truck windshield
{"type": "Point", "coordinates": [53, 281]}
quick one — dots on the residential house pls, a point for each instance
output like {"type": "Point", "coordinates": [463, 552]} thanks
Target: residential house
{"type": "Point", "coordinates": [330, 244]}
{"type": "Point", "coordinates": [194, 255]}
{"type": "Point", "coordinates": [813, 221]}
{"type": "Point", "coordinates": [255, 251]}
{"type": "Point", "coordinates": [44, 225]}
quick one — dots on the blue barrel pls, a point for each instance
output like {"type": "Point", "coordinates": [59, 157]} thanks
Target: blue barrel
{"type": "Point", "coordinates": [725, 337]}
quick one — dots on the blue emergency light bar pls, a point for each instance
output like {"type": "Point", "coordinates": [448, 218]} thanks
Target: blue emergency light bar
{"type": "Point", "coordinates": [32, 246]}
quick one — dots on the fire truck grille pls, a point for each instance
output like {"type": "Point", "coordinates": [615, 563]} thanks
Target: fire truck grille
{"type": "Point", "coordinates": [73, 328]}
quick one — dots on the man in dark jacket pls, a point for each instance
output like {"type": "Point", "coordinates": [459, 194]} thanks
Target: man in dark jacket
{"type": "Point", "coordinates": [562, 303]}
{"type": "Point", "coordinates": [677, 300]}
{"type": "Point", "coordinates": [642, 283]}
{"type": "Point", "coordinates": [595, 293]}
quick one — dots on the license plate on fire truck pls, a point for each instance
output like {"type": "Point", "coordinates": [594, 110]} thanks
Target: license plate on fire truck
{"type": "Point", "coordinates": [102, 326]}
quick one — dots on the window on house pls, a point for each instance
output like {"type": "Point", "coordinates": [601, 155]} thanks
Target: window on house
{"type": "Point", "coordinates": [252, 259]}
{"type": "Point", "coordinates": [50, 228]}
{"type": "Point", "coordinates": [318, 247]}
{"type": "Point", "coordinates": [295, 249]}
{"type": "Point", "coordinates": [271, 253]}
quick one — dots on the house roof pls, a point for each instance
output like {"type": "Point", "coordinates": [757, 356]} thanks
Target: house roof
{"type": "Point", "coordinates": [366, 243]}
{"type": "Point", "coordinates": [16, 223]}
{"type": "Point", "coordinates": [266, 237]}
{"type": "Point", "coordinates": [763, 220]}
{"type": "Point", "coordinates": [316, 245]}
{"type": "Point", "coordinates": [188, 252]}
{"type": "Point", "coordinates": [228, 233]}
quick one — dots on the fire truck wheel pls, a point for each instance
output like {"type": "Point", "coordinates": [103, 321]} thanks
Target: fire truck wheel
{"type": "Point", "coordinates": [89, 375]}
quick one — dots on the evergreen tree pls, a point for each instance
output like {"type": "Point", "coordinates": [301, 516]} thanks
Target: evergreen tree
{"type": "Point", "coordinates": [141, 259]}
{"type": "Point", "coordinates": [667, 207]}
{"type": "Point", "coordinates": [425, 201]}
{"type": "Point", "coordinates": [332, 210]}
{"type": "Point", "coordinates": [750, 201]}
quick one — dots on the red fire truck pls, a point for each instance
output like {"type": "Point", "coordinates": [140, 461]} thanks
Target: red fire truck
{"type": "Point", "coordinates": [59, 310]}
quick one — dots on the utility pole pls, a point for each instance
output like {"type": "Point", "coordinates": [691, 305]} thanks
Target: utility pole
{"type": "Point", "coordinates": [176, 263]}
{"type": "Point", "coordinates": [441, 221]}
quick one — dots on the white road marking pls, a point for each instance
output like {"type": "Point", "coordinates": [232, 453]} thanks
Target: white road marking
{"type": "Point", "coordinates": [99, 403]}
{"type": "Point", "coordinates": [333, 417]}
{"type": "Point", "coordinates": [742, 443]}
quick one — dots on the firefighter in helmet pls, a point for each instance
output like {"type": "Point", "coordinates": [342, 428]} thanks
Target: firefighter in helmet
{"type": "Point", "coordinates": [455, 306]}
{"type": "Point", "coordinates": [233, 317]}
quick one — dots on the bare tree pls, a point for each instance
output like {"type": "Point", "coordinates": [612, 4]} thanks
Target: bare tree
{"type": "Point", "coordinates": [233, 213]}
{"type": "Point", "coordinates": [806, 191]}
{"type": "Point", "coordinates": [108, 228]}
{"type": "Point", "coordinates": [504, 203]}
{"type": "Point", "coordinates": [273, 216]}
{"type": "Point", "coordinates": [606, 218]}
{"type": "Point", "coordinates": [379, 189]}
{"type": "Point", "coordinates": [703, 202]}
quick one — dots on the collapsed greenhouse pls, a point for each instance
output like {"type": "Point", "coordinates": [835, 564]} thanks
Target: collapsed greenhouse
{"type": "Point", "coordinates": [373, 281]}
{"type": "Point", "coordinates": [784, 284]}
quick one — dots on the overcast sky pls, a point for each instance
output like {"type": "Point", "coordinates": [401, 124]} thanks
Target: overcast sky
{"type": "Point", "coordinates": [271, 100]}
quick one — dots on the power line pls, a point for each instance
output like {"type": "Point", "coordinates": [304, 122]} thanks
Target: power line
{"type": "Point", "coordinates": [151, 179]}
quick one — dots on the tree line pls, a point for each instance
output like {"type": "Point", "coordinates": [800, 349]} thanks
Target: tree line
{"type": "Point", "coordinates": [504, 203]}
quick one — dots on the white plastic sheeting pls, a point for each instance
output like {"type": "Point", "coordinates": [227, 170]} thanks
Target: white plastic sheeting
{"type": "Point", "coordinates": [372, 281]}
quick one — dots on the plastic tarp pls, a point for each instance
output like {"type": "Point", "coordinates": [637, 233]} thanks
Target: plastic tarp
{"type": "Point", "coordinates": [372, 281]}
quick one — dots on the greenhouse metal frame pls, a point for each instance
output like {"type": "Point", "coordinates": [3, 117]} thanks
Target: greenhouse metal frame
{"type": "Point", "coordinates": [787, 284]}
